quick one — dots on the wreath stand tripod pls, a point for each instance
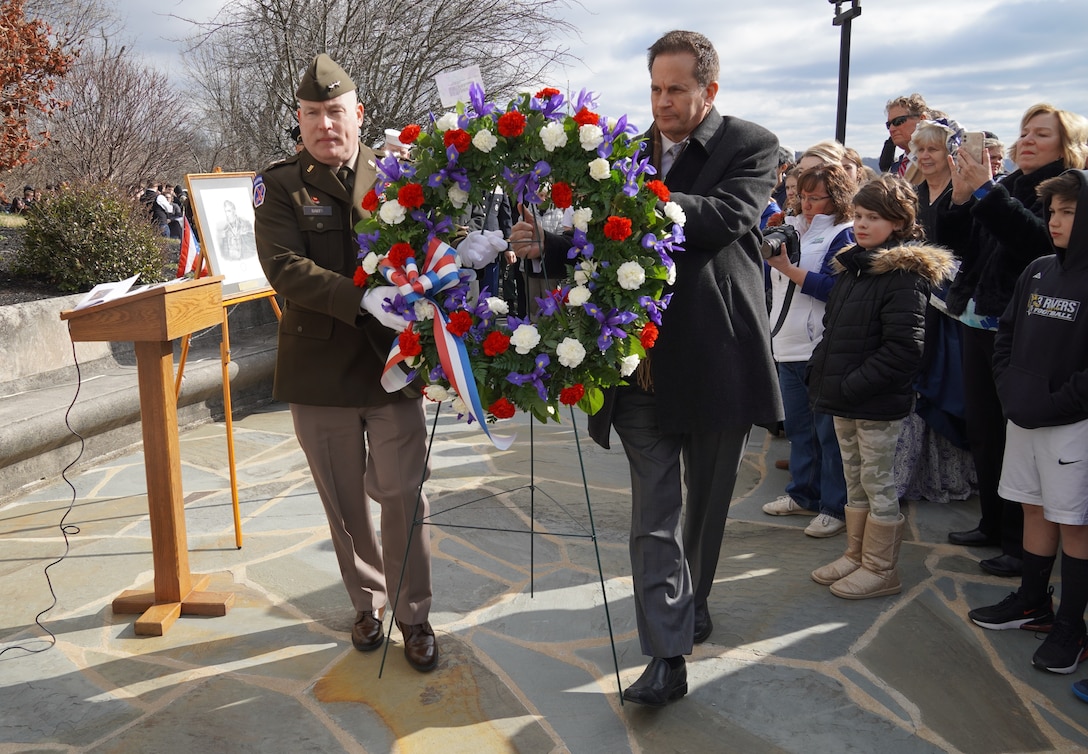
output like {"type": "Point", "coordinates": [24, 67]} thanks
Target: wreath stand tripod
{"type": "Point", "coordinates": [590, 533]}
{"type": "Point", "coordinates": [229, 300]}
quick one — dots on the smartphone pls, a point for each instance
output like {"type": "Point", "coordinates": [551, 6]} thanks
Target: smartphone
{"type": "Point", "coordinates": [974, 145]}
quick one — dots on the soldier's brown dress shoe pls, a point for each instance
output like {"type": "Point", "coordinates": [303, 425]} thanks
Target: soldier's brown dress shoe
{"type": "Point", "coordinates": [366, 634]}
{"type": "Point", "coordinates": [420, 648]}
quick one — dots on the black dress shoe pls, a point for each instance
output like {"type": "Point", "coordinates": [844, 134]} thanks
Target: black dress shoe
{"type": "Point", "coordinates": [974, 538]}
{"type": "Point", "coordinates": [1002, 565]}
{"type": "Point", "coordinates": [420, 648]}
{"type": "Point", "coordinates": [659, 684]}
{"type": "Point", "coordinates": [366, 634]}
{"type": "Point", "coordinates": [703, 624]}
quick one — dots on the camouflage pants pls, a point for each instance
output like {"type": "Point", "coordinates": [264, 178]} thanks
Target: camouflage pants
{"type": "Point", "coordinates": [868, 463]}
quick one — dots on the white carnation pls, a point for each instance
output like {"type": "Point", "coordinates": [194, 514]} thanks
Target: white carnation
{"type": "Point", "coordinates": [446, 122]}
{"type": "Point", "coordinates": [553, 136]}
{"type": "Point", "coordinates": [370, 263]}
{"type": "Point", "coordinates": [424, 310]}
{"type": "Point", "coordinates": [525, 338]}
{"type": "Point", "coordinates": [497, 306]}
{"type": "Point", "coordinates": [585, 271]}
{"type": "Point", "coordinates": [628, 364]}
{"type": "Point", "coordinates": [436, 393]}
{"type": "Point", "coordinates": [392, 213]}
{"type": "Point", "coordinates": [674, 212]}
{"type": "Point", "coordinates": [570, 352]}
{"type": "Point", "coordinates": [484, 140]}
{"type": "Point", "coordinates": [599, 169]}
{"type": "Point", "coordinates": [671, 277]}
{"type": "Point", "coordinates": [590, 136]}
{"type": "Point", "coordinates": [459, 406]}
{"type": "Point", "coordinates": [458, 197]}
{"type": "Point", "coordinates": [630, 276]}
{"type": "Point", "coordinates": [581, 218]}
{"type": "Point", "coordinates": [578, 295]}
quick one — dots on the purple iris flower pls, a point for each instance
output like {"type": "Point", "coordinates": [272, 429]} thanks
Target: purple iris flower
{"type": "Point", "coordinates": [580, 245]}
{"type": "Point", "coordinates": [390, 169]}
{"type": "Point", "coordinates": [654, 308]}
{"type": "Point", "coordinates": [426, 219]}
{"type": "Point", "coordinates": [437, 374]}
{"type": "Point", "coordinates": [527, 185]}
{"type": "Point", "coordinates": [535, 378]}
{"type": "Point", "coordinates": [450, 173]}
{"type": "Point", "coordinates": [366, 242]}
{"type": "Point", "coordinates": [611, 324]}
{"type": "Point", "coordinates": [476, 97]}
{"type": "Point", "coordinates": [549, 304]}
{"type": "Point", "coordinates": [585, 100]}
{"type": "Point", "coordinates": [612, 133]}
{"type": "Point", "coordinates": [632, 169]}
{"type": "Point", "coordinates": [551, 107]}
{"type": "Point", "coordinates": [662, 247]}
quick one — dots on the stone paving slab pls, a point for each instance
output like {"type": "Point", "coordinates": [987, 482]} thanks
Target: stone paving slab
{"type": "Point", "coordinates": [527, 663]}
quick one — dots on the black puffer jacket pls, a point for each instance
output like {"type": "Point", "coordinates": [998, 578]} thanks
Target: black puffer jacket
{"type": "Point", "coordinates": [874, 330]}
{"type": "Point", "coordinates": [995, 237]}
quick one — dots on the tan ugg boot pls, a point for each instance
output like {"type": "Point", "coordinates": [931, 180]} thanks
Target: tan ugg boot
{"type": "Point", "coordinates": [851, 559]}
{"type": "Point", "coordinates": [879, 554]}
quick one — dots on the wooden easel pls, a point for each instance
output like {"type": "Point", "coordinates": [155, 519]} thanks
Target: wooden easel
{"type": "Point", "coordinates": [152, 318]}
{"type": "Point", "coordinates": [224, 357]}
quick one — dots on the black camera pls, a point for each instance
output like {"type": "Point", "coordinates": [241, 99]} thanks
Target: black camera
{"type": "Point", "coordinates": [779, 239]}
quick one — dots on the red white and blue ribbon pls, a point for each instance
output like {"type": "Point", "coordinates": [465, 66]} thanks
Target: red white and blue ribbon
{"type": "Point", "coordinates": [440, 271]}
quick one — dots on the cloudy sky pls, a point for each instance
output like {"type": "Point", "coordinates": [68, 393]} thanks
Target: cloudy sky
{"type": "Point", "coordinates": [982, 61]}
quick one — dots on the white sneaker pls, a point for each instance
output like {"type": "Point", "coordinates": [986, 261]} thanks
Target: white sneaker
{"type": "Point", "coordinates": [785, 506]}
{"type": "Point", "coordinates": [825, 526]}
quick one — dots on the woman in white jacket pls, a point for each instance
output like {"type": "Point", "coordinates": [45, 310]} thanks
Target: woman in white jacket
{"type": "Point", "coordinates": [798, 292]}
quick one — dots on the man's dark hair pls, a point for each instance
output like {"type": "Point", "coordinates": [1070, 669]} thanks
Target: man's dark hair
{"type": "Point", "coordinates": [677, 41]}
{"type": "Point", "coordinates": [1065, 186]}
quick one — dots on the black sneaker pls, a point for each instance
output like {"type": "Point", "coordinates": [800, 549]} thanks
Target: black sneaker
{"type": "Point", "coordinates": [1014, 612]}
{"type": "Point", "coordinates": [1063, 649]}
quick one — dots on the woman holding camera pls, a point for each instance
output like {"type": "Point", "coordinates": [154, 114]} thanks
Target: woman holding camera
{"type": "Point", "coordinates": [799, 289]}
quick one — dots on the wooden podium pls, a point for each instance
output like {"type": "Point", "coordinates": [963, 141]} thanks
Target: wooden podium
{"type": "Point", "coordinates": [151, 318]}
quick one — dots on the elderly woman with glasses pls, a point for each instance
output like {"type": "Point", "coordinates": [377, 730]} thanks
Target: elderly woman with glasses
{"type": "Point", "coordinates": [799, 289]}
{"type": "Point", "coordinates": [997, 229]}
{"type": "Point", "coordinates": [932, 462]}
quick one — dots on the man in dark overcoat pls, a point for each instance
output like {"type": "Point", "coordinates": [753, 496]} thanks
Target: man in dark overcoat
{"type": "Point", "coordinates": [710, 376]}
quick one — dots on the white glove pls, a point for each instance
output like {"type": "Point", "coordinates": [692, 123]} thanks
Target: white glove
{"type": "Point", "coordinates": [372, 303]}
{"type": "Point", "coordinates": [480, 248]}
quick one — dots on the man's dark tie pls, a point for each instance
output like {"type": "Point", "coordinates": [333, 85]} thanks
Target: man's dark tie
{"type": "Point", "coordinates": [347, 177]}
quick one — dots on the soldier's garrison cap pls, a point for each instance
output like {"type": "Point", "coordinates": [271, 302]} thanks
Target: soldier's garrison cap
{"type": "Point", "coordinates": [324, 80]}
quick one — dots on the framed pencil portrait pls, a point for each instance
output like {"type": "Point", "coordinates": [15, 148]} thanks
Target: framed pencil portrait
{"type": "Point", "coordinates": [223, 209]}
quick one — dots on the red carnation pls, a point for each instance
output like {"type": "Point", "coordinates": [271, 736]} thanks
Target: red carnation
{"type": "Point", "coordinates": [586, 118]}
{"type": "Point", "coordinates": [410, 195]}
{"type": "Point", "coordinates": [511, 124]}
{"type": "Point", "coordinates": [409, 133]}
{"type": "Point", "coordinates": [496, 343]}
{"type": "Point", "coordinates": [458, 138]}
{"type": "Point", "coordinates": [370, 201]}
{"type": "Point", "coordinates": [399, 254]}
{"type": "Point", "coordinates": [569, 396]}
{"type": "Point", "coordinates": [562, 196]}
{"type": "Point", "coordinates": [408, 341]}
{"type": "Point", "coordinates": [660, 189]}
{"type": "Point", "coordinates": [547, 92]}
{"type": "Point", "coordinates": [648, 336]}
{"type": "Point", "coordinates": [460, 323]}
{"type": "Point", "coordinates": [617, 228]}
{"type": "Point", "coordinates": [360, 277]}
{"type": "Point", "coordinates": [502, 409]}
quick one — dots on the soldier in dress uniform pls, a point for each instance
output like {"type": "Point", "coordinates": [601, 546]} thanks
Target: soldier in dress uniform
{"type": "Point", "coordinates": [362, 443]}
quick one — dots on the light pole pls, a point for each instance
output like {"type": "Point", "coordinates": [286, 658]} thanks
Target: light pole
{"type": "Point", "coordinates": [843, 19]}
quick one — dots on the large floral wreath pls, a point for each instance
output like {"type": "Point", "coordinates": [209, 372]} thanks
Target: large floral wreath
{"type": "Point", "coordinates": [596, 325]}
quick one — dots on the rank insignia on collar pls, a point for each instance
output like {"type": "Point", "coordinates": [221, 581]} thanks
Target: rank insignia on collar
{"type": "Point", "coordinates": [258, 191]}
{"type": "Point", "coordinates": [309, 168]}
